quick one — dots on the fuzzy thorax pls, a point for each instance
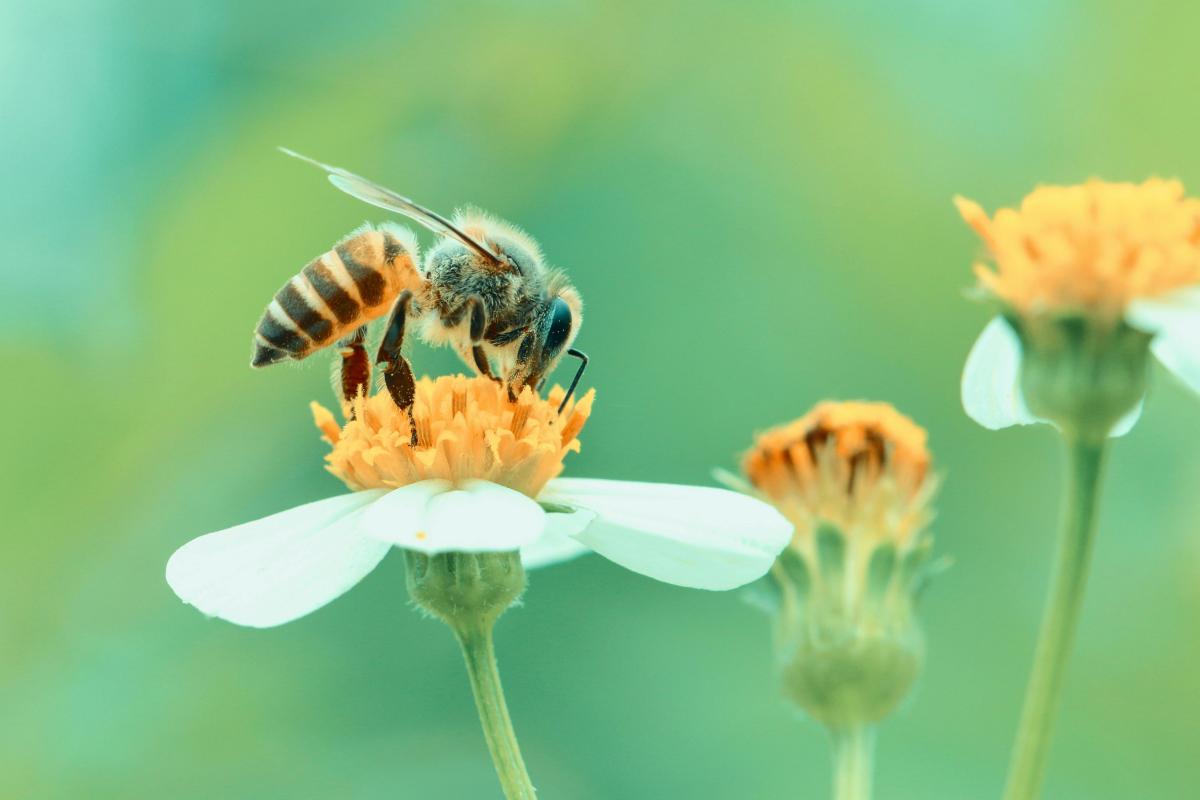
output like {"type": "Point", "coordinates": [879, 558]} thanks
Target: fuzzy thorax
{"type": "Point", "coordinates": [466, 428]}
{"type": "Point", "coordinates": [862, 467]}
{"type": "Point", "coordinates": [1090, 248]}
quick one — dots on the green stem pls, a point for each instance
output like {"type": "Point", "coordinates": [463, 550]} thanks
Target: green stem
{"type": "Point", "coordinates": [480, 656]}
{"type": "Point", "coordinates": [853, 762]}
{"type": "Point", "coordinates": [1031, 749]}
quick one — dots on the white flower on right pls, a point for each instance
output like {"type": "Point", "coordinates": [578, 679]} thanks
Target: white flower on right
{"type": "Point", "coordinates": [1105, 253]}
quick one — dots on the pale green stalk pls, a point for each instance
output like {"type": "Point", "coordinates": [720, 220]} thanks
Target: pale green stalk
{"type": "Point", "coordinates": [469, 591]}
{"type": "Point", "coordinates": [480, 656]}
{"type": "Point", "coordinates": [853, 762]}
{"type": "Point", "coordinates": [1031, 749]}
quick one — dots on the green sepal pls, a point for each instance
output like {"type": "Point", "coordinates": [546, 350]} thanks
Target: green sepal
{"type": "Point", "coordinates": [556, 508]}
{"type": "Point", "coordinates": [913, 562]}
{"type": "Point", "coordinates": [831, 552]}
{"type": "Point", "coordinates": [765, 594]}
{"type": "Point", "coordinates": [795, 568]}
{"type": "Point", "coordinates": [880, 571]}
{"type": "Point", "coordinates": [927, 572]}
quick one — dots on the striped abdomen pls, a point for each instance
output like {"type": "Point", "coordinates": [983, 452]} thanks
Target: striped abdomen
{"type": "Point", "coordinates": [352, 284]}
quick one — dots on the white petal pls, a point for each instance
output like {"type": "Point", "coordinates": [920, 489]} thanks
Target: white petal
{"type": "Point", "coordinates": [1125, 424]}
{"type": "Point", "coordinates": [991, 389]}
{"type": "Point", "coordinates": [556, 543]}
{"type": "Point", "coordinates": [687, 535]}
{"type": "Point", "coordinates": [474, 517]}
{"type": "Point", "coordinates": [400, 515]}
{"type": "Point", "coordinates": [1175, 321]}
{"type": "Point", "coordinates": [278, 568]}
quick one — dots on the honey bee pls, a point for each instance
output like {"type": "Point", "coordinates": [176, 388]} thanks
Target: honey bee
{"type": "Point", "coordinates": [484, 289]}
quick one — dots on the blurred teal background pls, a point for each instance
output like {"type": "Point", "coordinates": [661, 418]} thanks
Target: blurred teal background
{"type": "Point", "coordinates": [754, 200]}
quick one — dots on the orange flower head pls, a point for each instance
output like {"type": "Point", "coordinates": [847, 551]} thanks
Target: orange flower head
{"type": "Point", "coordinates": [460, 428]}
{"type": "Point", "coordinates": [1090, 248]}
{"type": "Point", "coordinates": [862, 467]}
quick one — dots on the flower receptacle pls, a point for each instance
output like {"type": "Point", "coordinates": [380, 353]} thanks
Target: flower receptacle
{"type": "Point", "coordinates": [848, 645]}
{"type": "Point", "coordinates": [1082, 373]}
{"type": "Point", "coordinates": [854, 679]}
{"type": "Point", "coordinates": [467, 591]}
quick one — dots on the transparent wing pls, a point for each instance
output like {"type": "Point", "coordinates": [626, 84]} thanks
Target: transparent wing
{"type": "Point", "coordinates": [363, 189]}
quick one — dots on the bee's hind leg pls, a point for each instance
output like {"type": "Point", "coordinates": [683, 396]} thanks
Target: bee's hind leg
{"type": "Point", "coordinates": [397, 373]}
{"type": "Point", "coordinates": [354, 371]}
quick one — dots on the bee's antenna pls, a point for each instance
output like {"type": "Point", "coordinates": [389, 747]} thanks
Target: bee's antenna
{"type": "Point", "coordinates": [583, 362]}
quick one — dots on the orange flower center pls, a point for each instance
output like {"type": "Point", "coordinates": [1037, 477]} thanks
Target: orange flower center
{"type": "Point", "coordinates": [1089, 248]}
{"type": "Point", "coordinates": [862, 467]}
{"type": "Point", "coordinates": [465, 428]}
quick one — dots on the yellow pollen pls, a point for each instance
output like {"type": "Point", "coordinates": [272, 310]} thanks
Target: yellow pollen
{"type": "Point", "coordinates": [1089, 248]}
{"type": "Point", "coordinates": [465, 428]}
{"type": "Point", "coordinates": [422, 536]}
{"type": "Point", "coordinates": [862, 467]}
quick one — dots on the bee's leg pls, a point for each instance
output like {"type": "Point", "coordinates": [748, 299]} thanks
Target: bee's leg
{"type": "Point", "coordinates": [540, 378]}
{"type": "Point", "coordinates": [481, 363]}
{"type": "Point", "coordinates": [354, 373]}
{"type": "Point", "coordinates": [477, 318]}
{"type": "Point", "coordinates": [397, 374]}
{"type": "Point", "coordinates": [474, 311]}
{"type": "Point", "coordinates": [524, 371]}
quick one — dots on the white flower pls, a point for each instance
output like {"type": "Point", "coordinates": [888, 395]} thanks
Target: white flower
{"type": "Point", "coordinates": [991, 386]}
{"type": "Point", "coordinates": [1102, 252]}
{"type": "Point", "coordinates": [281, 567]}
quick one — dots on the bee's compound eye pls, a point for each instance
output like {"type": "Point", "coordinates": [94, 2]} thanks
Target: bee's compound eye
{"type": "Point", "coordinates": [560, 327]}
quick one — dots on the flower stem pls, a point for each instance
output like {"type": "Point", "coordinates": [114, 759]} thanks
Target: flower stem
{"type": "Point", "coordinates": [476, 642]}
{"type": "Point", "coordinates": [1032, 746]}
{"type": "Point", "coordinates": [853, 762]}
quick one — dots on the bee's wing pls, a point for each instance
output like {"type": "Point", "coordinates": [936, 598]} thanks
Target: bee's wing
{"type": "Point", "coordinates": [369, 192]}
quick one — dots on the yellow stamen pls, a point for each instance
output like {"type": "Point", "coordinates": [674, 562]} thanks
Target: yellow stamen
{"type": "Point", "coordinates": [863, 467]}
{"type": "Point", "coordinates": [466, 428]}
{"type": "Point", "coordinates": [1090, 248]}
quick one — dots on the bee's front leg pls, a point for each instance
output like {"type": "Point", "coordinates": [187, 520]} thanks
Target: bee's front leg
{"type": "Point", "coordinates": [527, 368]}
{"type": "Point", "coordinates": [354, 371]}
{"type": "Point", "coordinates": [397, 373]}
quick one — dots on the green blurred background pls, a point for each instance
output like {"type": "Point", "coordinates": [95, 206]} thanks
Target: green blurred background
{"type": "Point", "coordinates": [754, 200]}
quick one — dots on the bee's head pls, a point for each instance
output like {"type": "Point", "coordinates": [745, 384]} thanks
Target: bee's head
{"type": "Point", "coordinates": [558, 325]}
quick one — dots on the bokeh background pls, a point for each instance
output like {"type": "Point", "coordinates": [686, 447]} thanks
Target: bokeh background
{"type": "Point", "coordinates": [754, 200]}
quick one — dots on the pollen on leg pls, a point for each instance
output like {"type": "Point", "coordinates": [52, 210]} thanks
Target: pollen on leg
{"type": "Point", "coordinates": [465, 428]}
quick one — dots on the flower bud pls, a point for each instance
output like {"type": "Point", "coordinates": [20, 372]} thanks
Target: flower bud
{"type": "Point", "coordinates": [854, 480]}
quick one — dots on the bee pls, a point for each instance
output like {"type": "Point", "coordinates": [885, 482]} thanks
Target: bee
{"type": "Point", "coordinates": [484, 289]}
